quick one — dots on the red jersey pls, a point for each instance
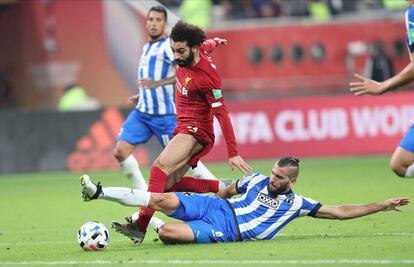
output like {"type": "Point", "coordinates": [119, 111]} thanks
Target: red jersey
{"type": "Point", "coordinates": [199, 98]}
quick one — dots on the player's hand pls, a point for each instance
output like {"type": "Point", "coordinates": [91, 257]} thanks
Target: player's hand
{"type": "Point", "coordinates": [393, 203]}
{"type": "Point", "coordinates": [133, 100]}
{"type": "Point", "coordinates": [365, 86]}
{"type": "Point", "coordinates": [220, 41]}
{"type": "Point", "coordinates": [239, 163]}
{"type": "Point", "coordinates": [148, 83]}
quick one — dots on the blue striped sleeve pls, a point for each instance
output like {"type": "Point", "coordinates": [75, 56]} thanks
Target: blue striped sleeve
{"type": "Point", "coordinates": [409, 24]}
{"type": "Point", "coordinates": [309, 206]}
{"type": "Point", "coordinates": [243, 183]}
{"type": "Point", "coordinates": [168, 54]}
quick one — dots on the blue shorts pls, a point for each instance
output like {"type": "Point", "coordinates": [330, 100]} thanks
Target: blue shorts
{"type": "Point", "coordinates": [408, 141]}
{"type": "Point", "coordinates": [139, 127]}
{"type": "Point", "coordinates": [210, 218]}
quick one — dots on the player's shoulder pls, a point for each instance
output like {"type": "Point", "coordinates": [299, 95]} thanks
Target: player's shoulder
{"type": "Point", "coordinates": [409, 14]}
{"type": "Point", "coordinates": [304, 198]}
{"type": "Point", "coordinates": [252, 176]}
{"type": "Point", "coordinates": [165, 43]}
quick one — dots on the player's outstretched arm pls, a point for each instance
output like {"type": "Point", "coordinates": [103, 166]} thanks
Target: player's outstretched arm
{"type": "Point", "coordinates": [148, 83]}
{"type": "Point", "coordinates": [228, 191]}
{"type": "Point", "coordinates": [346, 212]}
{"type": "Point", "coordinates": [210, 44]}
{"type": "Point", "coordinates": [365, 86]}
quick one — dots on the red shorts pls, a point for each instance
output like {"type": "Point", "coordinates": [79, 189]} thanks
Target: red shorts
{"type": "Point", "coordinates": [206, 139]}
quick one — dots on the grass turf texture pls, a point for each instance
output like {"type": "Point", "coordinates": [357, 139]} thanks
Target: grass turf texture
{"type": "Point", "coordinates": [41, 214]}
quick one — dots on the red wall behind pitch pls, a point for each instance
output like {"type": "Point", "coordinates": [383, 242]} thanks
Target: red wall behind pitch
{"type": "Point", "coordinates": [318, 126]}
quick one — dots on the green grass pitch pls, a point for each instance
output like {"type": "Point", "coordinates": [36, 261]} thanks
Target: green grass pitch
{"type": "Point", "coordinates": [40, 215]}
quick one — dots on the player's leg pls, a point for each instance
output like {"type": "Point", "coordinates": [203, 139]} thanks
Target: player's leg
{"type": "Point", "coordinates": [176, 232]}
{"type": "Point", "coordinates": [201, 171]}
{"type": "Point", "coordinates": [133, 132]}
{"type": "Point", "coordinates": [402, 163]}
{"type": "Point", "coordinates": [208, 218]}
{"type": "Point", "coordinates": [402, 160]}
{"type": "Point", "coordinates": [123, 153]}
{"type": "Point", "coordinates": [164, 202]}
{"type": "Point", "coordinates": [163, 128]}
{"type": "Point", "coordinates": [177, 182]}
{"type": "Point", "coordinates": [174, 156]}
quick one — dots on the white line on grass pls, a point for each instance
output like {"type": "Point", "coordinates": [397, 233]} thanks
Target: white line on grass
{"type": "Point", "coordinates": [406, 234]}
{"type": "Point", "coordinates": [211, 262]}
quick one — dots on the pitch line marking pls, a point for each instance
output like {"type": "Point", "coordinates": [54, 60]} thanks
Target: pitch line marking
{"type": "Point", "coordinates": [227, 262]}
{"type": "Point", "coordinates": [405, 234]}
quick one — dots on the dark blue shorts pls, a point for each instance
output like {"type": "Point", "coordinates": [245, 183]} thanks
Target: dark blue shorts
{"type": "Point", "coordinates": [139, 127]}
{"type": "Point", "coordinates": [210, 218]}
{"type": "Point", "coordinates": [408, 141]}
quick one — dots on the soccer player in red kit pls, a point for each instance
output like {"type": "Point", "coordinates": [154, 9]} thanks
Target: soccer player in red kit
{"type": "Point", "coordinates": [198, 99]}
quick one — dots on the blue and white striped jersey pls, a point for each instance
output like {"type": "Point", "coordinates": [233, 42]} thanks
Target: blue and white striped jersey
{"type": "Point", "coordinates": [262, 216]}
{"type": "Point", "coordinates": [157, 63]}
{"type": "Point", "coordinates": [409, 24]}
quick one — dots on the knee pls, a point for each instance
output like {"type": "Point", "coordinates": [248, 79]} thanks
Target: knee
{"type": "Point", "coordinates": [167, 234]}
{"type": "Point", "coordinates": [120, 154]}
{"type": "Point", "coordinates": [397, 168]}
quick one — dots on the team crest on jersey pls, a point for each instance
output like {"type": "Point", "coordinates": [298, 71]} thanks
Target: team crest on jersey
{"type": "Point", "coordinates": [289, 200]}
{"type": "Point", "coordinates": [187, 81]}
{"type": "Point", "coordinates": [268, 201]}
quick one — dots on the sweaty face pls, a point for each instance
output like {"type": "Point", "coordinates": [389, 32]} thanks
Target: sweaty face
{"type": "Point", "coordinates": [183, 54]}
{"type": "Point", "coordinates": [156, 24]}
{"type": "Point", "coordinates": [279, 180]}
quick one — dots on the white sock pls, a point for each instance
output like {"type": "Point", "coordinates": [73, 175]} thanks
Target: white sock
{"type": "Point", "coordinates": [410, 171]}
{"type": "Point", "coordinates": [126, 196]}
{"type": "Point", "coordinates": [201, 171]}
{"type": "Point", "coordinates": [132, 171]}
{"type": "Point", "coordinates": [155, 222]}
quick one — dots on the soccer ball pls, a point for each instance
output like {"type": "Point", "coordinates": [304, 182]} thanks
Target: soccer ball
{"type": "Point", "coordinates": [93, 236]}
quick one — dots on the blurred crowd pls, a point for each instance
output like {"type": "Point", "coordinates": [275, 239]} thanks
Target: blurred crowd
{"type": "Point", "coordinates": [247, 9]}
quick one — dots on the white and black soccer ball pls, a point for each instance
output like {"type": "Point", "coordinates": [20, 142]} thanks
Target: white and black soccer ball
{"type": "Point", "coordinates": [93, 236]}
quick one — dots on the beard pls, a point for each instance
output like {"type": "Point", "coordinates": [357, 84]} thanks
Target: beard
{"type": "Point", "coordinates": [186, 62]}
{"type": "Point", "coordinates": [155, 36]}
{"type": "Point", "coordinates": [278, 191]}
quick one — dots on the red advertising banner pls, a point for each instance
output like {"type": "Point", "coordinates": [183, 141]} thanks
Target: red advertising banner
{"type": "Point", "coordinates": [318, 126]}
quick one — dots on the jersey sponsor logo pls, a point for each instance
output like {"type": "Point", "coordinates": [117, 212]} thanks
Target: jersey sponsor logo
{"type": "Point", "coordinates": [181, 88]}
{"type": "Point", "coordinates": [268, 201]}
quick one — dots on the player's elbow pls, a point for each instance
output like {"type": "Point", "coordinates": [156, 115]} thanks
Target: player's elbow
{"type": "Point", "coordinates": [339, 214]}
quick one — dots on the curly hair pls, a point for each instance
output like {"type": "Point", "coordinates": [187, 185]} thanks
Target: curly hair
{"type": "Point", "coordinates": [185, 32]}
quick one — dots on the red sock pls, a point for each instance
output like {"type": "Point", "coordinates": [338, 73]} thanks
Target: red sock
{"type": "Point", "coordinates": [157, 182]}
{"type": "Point", "coordinates": [197, 185]}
